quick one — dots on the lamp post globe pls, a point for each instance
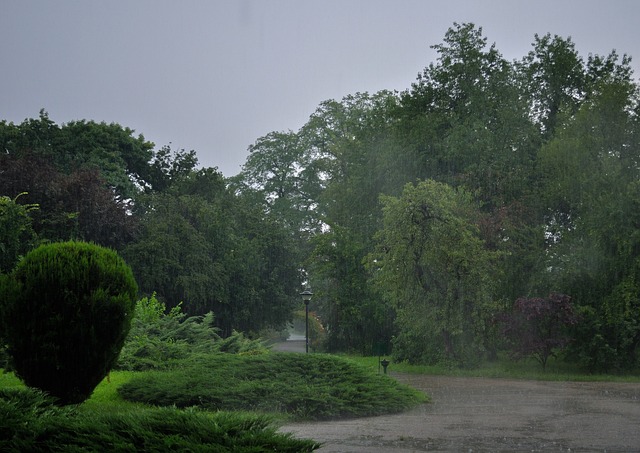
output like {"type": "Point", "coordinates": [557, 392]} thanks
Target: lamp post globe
{"type": "Point", "coordinates": [306, 297]}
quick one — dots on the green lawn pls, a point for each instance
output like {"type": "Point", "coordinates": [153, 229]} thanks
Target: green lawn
{"type": "Point", "coordinates": [503, 368]}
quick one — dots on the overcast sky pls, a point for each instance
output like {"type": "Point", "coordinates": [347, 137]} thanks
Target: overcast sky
{"type": "Point", "coordinates": [213, 76]}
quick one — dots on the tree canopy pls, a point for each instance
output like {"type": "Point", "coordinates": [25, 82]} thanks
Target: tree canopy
{"type": "Point", "coordinates": [418, 217]}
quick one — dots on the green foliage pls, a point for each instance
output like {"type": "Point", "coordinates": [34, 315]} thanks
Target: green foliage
{"type": "Point", "coordinates": [317, 386]}
{"type": "Point", "coordinates": [170, 167]}
{"type": "Point", "coordinates": [591, 190]}
{"type": "Point", "coordinates": [594, 348]}
{"type": "Point", "coordinates": [201, 246]}
{"type": "Point", "coordinates": [317, 332]}
{"type": "Point", "coordinates": [555, 81]}
{"type": "Point", "coordinates": [546, 149]}
{"type": "Point", "coordinates": [66, 312]}
{"type": "Point", "coordinates": [121, 157]}
{"type": "Point", "coordinates": [159, 340]}
{"type": "Point", "coordinates": [436, 270]}
{"type": "Point", "coordinates": [275, 170]}
{"type": "Point", "coordinates": [353, 314]}
{"type": "Point", "coordinates": [30, 422]}
{"type": "Point", "coordinates": [16, 232]}
{"type": "Point", "coordinates": [355, 162]}
{"type": "Point", "coordinates": [538, 327]}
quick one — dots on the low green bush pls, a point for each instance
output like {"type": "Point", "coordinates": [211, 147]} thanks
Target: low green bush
{"type": "Point", "coordinates": [305, 386]}
{"type": "Point", "coordinates": [29, 421]}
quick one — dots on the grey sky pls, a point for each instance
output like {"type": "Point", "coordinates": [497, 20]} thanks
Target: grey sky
{"type": "Point", "coordinates": [214, 76]}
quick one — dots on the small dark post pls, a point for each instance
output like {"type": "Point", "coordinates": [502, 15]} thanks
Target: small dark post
{"type": "Point", "coordinates": [385, 364]}
{"type": "Point", "coordinates": [306, 297]}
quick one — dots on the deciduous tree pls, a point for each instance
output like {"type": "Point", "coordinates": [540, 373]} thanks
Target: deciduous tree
{"type": "Point", "coordinates": [437, 272]}
{"type": "Point", "coordinates": [538, 327]}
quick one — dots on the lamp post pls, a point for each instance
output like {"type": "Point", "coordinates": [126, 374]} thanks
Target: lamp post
{"type": "Point", "coordinates": [306, 297]}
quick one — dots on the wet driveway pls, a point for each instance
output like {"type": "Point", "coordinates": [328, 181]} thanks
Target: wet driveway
{"type": "Point", "coordinates": [494, 415]}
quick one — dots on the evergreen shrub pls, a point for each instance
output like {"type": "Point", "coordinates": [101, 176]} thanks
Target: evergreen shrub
{"type": "Point", "coordinates": [66, 311]}
{"type": "Point", "coordinates": [303, 386]}
{"type": "Point", "coordinates": [163, 340]}
{"type": "Point", "coordinates": [30, 422]}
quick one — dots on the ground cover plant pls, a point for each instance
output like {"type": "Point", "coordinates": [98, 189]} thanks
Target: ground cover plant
{"type": "Point", "coordinates": [30, 421]}
{"type": "Point", "coordinates": [302, 386]}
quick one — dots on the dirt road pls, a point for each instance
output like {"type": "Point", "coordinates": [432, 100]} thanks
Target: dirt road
{"type": "Point", "coordinates": [494, 415]}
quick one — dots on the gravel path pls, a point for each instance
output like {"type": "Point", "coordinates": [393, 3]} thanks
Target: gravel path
{"type": "Point", "coordinates": [494, 415]}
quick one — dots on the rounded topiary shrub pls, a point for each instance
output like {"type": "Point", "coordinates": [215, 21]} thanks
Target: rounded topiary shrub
{"type": "Point", "coordinates": [66, 311]}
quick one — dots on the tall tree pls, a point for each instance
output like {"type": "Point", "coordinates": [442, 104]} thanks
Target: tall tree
{"type": "Point", "coordinates": [554, 81]}
{"type": "Point", "coordinates": [169, 166]}
{"type": "Point", "coordinates": [468, 125]}
{"type": "Point", "coordinates": [120, 157]}
{"type": "Point", "coordinates": [207, 248]}
{"type": "Point", "coordinates": [437, 272]}
{"type": "Point", "coordinates": [591, 191]}
{"type": "Point", "coordinates": [348, 139]}
{"type": "Point", "coordinates": [78, 205]}
{"type": "Point", "coordinates": [281, 177]}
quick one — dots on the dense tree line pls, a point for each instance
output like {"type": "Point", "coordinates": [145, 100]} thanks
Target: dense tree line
{"type": "Point", "coordinates": [186, 235]}
{"type": "Point", "coordinates": [418, 217]}
{"type": "Point", "coordinates": [429, 212]}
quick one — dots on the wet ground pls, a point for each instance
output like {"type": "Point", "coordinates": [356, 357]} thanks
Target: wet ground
{"type": "Point", "coordinates": [292, 345]}
{"type": "Point", "coordinates": [494, 415]}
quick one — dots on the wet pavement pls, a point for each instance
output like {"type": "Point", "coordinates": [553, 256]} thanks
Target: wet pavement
{"type": "Point", "coordinates": [493, 415]}
{"type": "Point", "coordinates": [294, 345]}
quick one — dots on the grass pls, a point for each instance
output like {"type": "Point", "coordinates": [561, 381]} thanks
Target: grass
{"type": "Point", "coordinates": [504, 368]}
{"type": "Point", "coordinates": [104, 396]}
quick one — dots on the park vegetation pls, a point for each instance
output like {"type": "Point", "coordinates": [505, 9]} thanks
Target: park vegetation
{"type": "Point", "coordinates": [187, 364]}
{"type": "Point", "coordinates": [419, 218]}
{"type": "Point", "coordinates": [200, 392]}
{"type": "Point", "coordinates": [31, 421]}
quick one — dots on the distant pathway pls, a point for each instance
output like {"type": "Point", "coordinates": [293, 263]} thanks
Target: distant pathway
{"type": "Point", "coordinates": [493, 415]}
{"type": "Point", "coordinates": [290, 346]}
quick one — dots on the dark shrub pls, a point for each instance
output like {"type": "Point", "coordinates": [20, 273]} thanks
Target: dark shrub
{"type": "Point", "coordinates": [538, 327]}
{"type": "Point", "coordinates": [66, 311]}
